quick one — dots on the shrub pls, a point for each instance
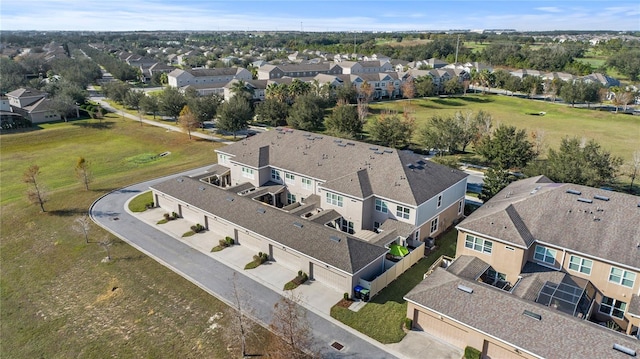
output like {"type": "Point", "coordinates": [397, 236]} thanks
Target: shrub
{"type": "Point", "coordinates": [167, 216]}
{"type": "Point", "coordinates": [299, 273]}
{"type": "Point", "coordinates": [345, 296]}
{"type": "Point", "coordinates": [197, 228]}
{"type": "Point", "coordinates": [174, 215]}
{"type": "Point", "coordinates": [230, 241]}
{"type": "Point", "coordinates": [408, 323]}
{"type": "Point", "coordinates": [150, 205]}
{"type": "Point", "coordinates": [471, 353]}
{"type": "Point", "coordinates": [217, 249]}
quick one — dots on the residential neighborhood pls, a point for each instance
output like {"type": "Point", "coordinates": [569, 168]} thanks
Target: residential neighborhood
{"type": "Point", "coordinates": [317, 194]}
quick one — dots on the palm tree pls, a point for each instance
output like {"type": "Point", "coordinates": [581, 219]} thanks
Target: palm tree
{"type": "Point", "coordinates": [242, 88]}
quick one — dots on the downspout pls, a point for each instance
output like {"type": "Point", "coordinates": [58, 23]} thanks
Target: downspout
{"type": "Point", "coordinates": [564, 253]}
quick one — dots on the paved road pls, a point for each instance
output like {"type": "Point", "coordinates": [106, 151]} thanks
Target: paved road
{"type": "Point", "coordinates": [214, 277]}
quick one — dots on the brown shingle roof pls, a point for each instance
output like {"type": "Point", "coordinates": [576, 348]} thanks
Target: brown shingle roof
{"type": "Point", "coordinates": [314, 240]}
{"type": "Point", "coordinates": [537, 209]}
{"type": "Point", "coordinates": [498, 314]}
{"type": "Point", "coordinates": [469, 267]}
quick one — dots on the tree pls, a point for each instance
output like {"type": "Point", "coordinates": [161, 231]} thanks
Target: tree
{"type": "Point", "coordinates": [235, 115]}
{"type": "Point", "coordinates": [441, 134]}
{"type": "Point", "coordinates": [306, 113]}
{"type": "Point", "coordinates": [106, 244]}
{"type": "Point", "coordinates": [532, 85]}
{"type": "Point", "coordinates": [452, 86]}
{"type": "Point", "coordinates": [83, 172]}
{"type": "Point", "coordinates": [204, 108]}
{"type": "Point", "coordinates": [507, 148]}
{"type": "Point", "coordinates": [632, 169]}
{"type": "Point", "coordinates": [240, 87]}
{"type": "Point", "coordinates": [494, 181]}
{"type": "Point", "coordinates": [241, 322]}
{"type": "Point", "coordinates": [392, 130]}
{"type": "Point", "coordinates": [570, 92]}
{"type": "Point", "coordinates": [63, 105]}
{"type": "Point", "coordinates": [346, 93]}
{"type": "Point", "coordinates": [580, 163]}
{"type": "Point", "coordinates": [424, 86]}
{"type": "Point", "coordinates": [150, 104]}
{"type": "Point", "coordinates": [344, 120]}
{"type": "Point", "coordinates": [188, 120]}
{"type": "Point", "coordinates": [366, 91]}
{"type": "Point", "coordinates": [82, 225]}
{"type": "Point", "coordinates": [272, 112]}
{"type": "Point", "coordinates": [291, 325]}
{"type": "Point", "coordinates": [408, 89]}
{"type": "Point", "coordinates": [172, 102]}
{"type": "Point", "coordinates": [36, 192]}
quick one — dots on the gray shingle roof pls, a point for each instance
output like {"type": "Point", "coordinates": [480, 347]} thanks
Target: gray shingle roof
{"type": "Point", "coordinates": [353, 168]}
{"type": "Point", "coordinates": [469, 267]}
{"type": "Point", "coordinates": [500, 315]}
{"type": "Point", "coordinates": [538, 209]}
{"type": "Point", "coordinates": [349, 254]}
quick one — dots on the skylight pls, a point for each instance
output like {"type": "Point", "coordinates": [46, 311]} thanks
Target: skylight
{"type": "Point", "coordinates": [623, 349]}
{"type": "Point", "coordinates": [573, 191]}
{"type": "Point", "coordinates": [335, 239]}
{"type": "Point", "coordinates": [533, 315]}
{"type": "Point", "coordinates": [585, 200]}
{"type": "Point", "coordinates": [602, 198]}
{"type": "Point", "coordinates": [297, 224]}
{"type": "Point", "coordinates": [465, 289]}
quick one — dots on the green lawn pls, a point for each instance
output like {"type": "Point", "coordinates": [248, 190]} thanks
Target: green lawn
{"type": "Point", "coordinates": [382, 318]}
{"type": "Point", "coordinates": [139, 202]}
{"type": "Point", "coordinates": [57, 299]}
{"type": "Point", "coordinates": [617, 133]}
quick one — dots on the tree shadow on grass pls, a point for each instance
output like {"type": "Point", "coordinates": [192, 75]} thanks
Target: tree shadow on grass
{"type": "Point", "coordinates": [475, 99]}
{"type": "Point", "coordinates": [449, 102]}
{"type": "Point", "coordinates": [100, 125]}
{"type": "Point", "coordinates": [67, 212]}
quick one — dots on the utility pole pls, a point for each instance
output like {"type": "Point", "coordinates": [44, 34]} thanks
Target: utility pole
{"type": "Point", "coordinates": [457, 46]}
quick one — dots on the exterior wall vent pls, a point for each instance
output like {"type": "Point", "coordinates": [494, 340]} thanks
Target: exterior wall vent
{"type": "Point", "coordinates": [533, 315]}
{"type": "Point", "coordinates": [465, 289]}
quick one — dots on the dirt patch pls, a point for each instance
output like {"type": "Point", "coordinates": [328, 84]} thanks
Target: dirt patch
{"type": "Point", "coordinates": [344, 303]}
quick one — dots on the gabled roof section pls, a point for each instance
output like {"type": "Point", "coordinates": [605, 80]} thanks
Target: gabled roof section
{"type": "Point", "coordinates": [500, 315]}
{"type": "Point", "coordinates": [25, 92]}
{"type": "Point", "coordinates": [600, 223]}
{"type": "Point", "coordinates": [314, 240]}
{"type": "Point", "coordinates": [355, 183]}
{"type": "Point", "coordinates": [469, 267]}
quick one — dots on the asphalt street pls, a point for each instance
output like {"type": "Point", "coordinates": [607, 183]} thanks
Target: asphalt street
{"type": "Point", "coordinates": [216, 278]}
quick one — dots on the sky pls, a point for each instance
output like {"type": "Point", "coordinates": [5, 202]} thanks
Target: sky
{"type": "Point", "coordinates": [319, 15]}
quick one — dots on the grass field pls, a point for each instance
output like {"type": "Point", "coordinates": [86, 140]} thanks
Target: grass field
{"type": "Point", "coordinates": [617, 133]}
{"type": "Point", "coordinates": [58, 300]}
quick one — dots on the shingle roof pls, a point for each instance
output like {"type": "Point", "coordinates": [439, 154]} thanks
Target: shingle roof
{"type": "Point", "coordinates": [314, 240]}
{"type": "Point", "coordinates": [469, 267]}
{"type": "Point", "coordinates": [25, 92]}
{"type": "Point", "coordinates": [353, 168]}
{"type": "Point", "coordinates": [499, 314]}
{"type": "Point", "coordinates": [538, 209]}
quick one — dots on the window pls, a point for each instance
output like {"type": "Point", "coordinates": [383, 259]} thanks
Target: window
{"type": "Point", "coordinates": [580, 264]}
{"type": "Point", "coordinates": [478, 244]}
{"type": "Point", "coordinates": [434, 225]}
{"type": "Point", "coordinates": [495, 276]}
{"type": "Point", "coordinates": [291, 198]}
{"type": "Point", "coordinates": [334, 199]}
{"type": "Point", "coordinates": [224, 159]}
{"type": "Point", "coordinates": [289, 178]}
{"type": "Point", "coordinates": [247, 172]}
{"type": "Point", "coordinates": [275, 175]}
{"type": "Point", "coordinates": [402, 212]}
{"type": "Point", "coordinates": [376, 225]}
{"type": "Point", "coordinates": [460, 206]}
{"type": "Point", "coordinates": [612, 307]}
{"type": "Point", "coordinates": [347, 226]}
{"type": "Point", "coordinates": [621, 276]}
{"type": "Point", "coordinates": [381, 206]}
{"type": "Point", "coordinates": [439, 201]}
{"type": "Point", "coordinates": [545, 255]}
{"type": "Point", "coordinates": [306, 183]}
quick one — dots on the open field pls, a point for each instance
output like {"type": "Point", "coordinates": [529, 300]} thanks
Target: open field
{"type": "Point", "coordinates": [58, 299]}
{"type": "Point", "coordinates": [617, 133]}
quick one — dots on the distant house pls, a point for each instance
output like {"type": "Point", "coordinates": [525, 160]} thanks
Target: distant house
{"type": "Point", "coordinates": [269, 72]}
{"type": "Point", "coordinates": [361, 67]}
{"type": "Point", "coordinates": [604, 80]}
{"type": "Point", "coordinates": [180, 78]}
{"type": "Point", "coordinates": [32, 105]}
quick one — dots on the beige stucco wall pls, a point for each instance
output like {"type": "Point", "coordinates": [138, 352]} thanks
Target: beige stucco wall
{"type": "Point", "coordinates": [502, 259]}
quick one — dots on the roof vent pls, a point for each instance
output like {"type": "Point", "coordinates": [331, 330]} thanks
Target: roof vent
{"type": "Point", "coordinates": [306, 135]}
{"type": "Point", "coordinates": [378, 153]}
{"type": "Point", "coordinates": [533, 315]}
{"type": "Point", "coordinates": [337, 141]}
{"type": "Point", "coordinates": [297, 224]}
{"type": "Point", "coordinates": [261, 210]}
{"type": "Point", "coordinates": [623, 349]}
{"type": "Point", "coordinates": [373, 148]}
{"type": "Point", "coordinates": [573, 191]}
{"type": "Point", "coordinates": [335, 239]}
{"type": "Point", "coordinates": [201, 188]}
{"type": "Point", "coordinates": [180, 180]}
{"type": "Point", "coordinates": [351, 144]}
{"type": "Point", "coordinates": [388, 151]}
{"type": "Point", "coordinates": [585, 200]}
{"type": "Point", "coordinates": [342, 145]}
{"type": "Point", "coordinates": [602, 198]}
{"type": "Point", "coordinates": [230, 199]}
{"type": "Point", "coordinates": [465, 289]}
{"type": "Point", "coordinates": [421, 162]}
{"type": "Point", "coordinates": [533, 191]}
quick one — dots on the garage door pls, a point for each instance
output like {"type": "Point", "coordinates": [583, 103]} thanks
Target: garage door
{"type": "Point", "coordinates": [250, 242]}
{"type": "Point", "coordinates": [285, 258]}
{"type": "Point", "coordinates": [494, 351]}
{"type": "Point", "coordinates": [441, 329]}
{"type": "Point", "coordinates": [190, 214]}
{"type": "Point", "coordinates": [332, 279]}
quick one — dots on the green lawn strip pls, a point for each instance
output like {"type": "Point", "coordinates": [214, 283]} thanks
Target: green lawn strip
{"type": "Point", "coordinates": [252, 264]}
{"type": "Point", "coordinates": [383, 317]}
{"type": "Point", "coordinates": [217, 248]}
{"type": "Point", "coordinates": [188, 234]}
{"type": "Point", "coordinates": [139, 203]}
{"type": "Point", "coordinates": [130, 307]}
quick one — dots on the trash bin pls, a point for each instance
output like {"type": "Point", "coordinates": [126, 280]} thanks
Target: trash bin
{"type": "Point", "coordinates": [364, 294]}
{"type": "Point", "coordinates": [357, 292]}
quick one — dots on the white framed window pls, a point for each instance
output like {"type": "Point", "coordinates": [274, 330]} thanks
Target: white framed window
{"type": "Point", "coordinates": [275, 175]}
{"type": "Point", "coordinates": [478, 244]}
{"type": "Point", "coordinates": [306, 183]}
{"type": "Point", "coordinates": [434, 225]}
{"type": "Point", "coordinates": [291, 198]}
{"type": "Point", "coordinates": [247, 172]}
{"type": "Point", "coordinates": [580, 264]}
{"type": "Point", "coordinates": [403, 212]}
{"type": "Point", "coordinates": [613, 307]}
{"type": "Point", "coordinates": [224, 159]}
{"type": "Point", "coordinates": [545, 255]}
{"type": "Point", "coordinates": [439, 201]}
{"type": "Point", "coordinates": [289, 178]}
{"type": "Point", "coordinates": [334, 199]}
{"type": "Point", "coordinates": [622, 277]}
{"type": "Point", "coordinates": [381, 206]}
{"type": "Point", "coordinates": [460, 206]}
{"type": "Point", "coordinates": [347, 226]}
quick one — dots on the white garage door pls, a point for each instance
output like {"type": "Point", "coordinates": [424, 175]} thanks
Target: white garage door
{"type": "Point", "coordinates": [332, 279]}
{"type": "Point", "coordinates": [250, 242]}
{"type": "Point", "coordinates": [494, 351]}
{"type": "Point", "coordinates": [190, 214]}
{"type": "Point", "coordinates": [219, 227]}
{"type": "Point", "coordinates": [441, 329]}
{"type": "Point", "coordinates": [285, 258]}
